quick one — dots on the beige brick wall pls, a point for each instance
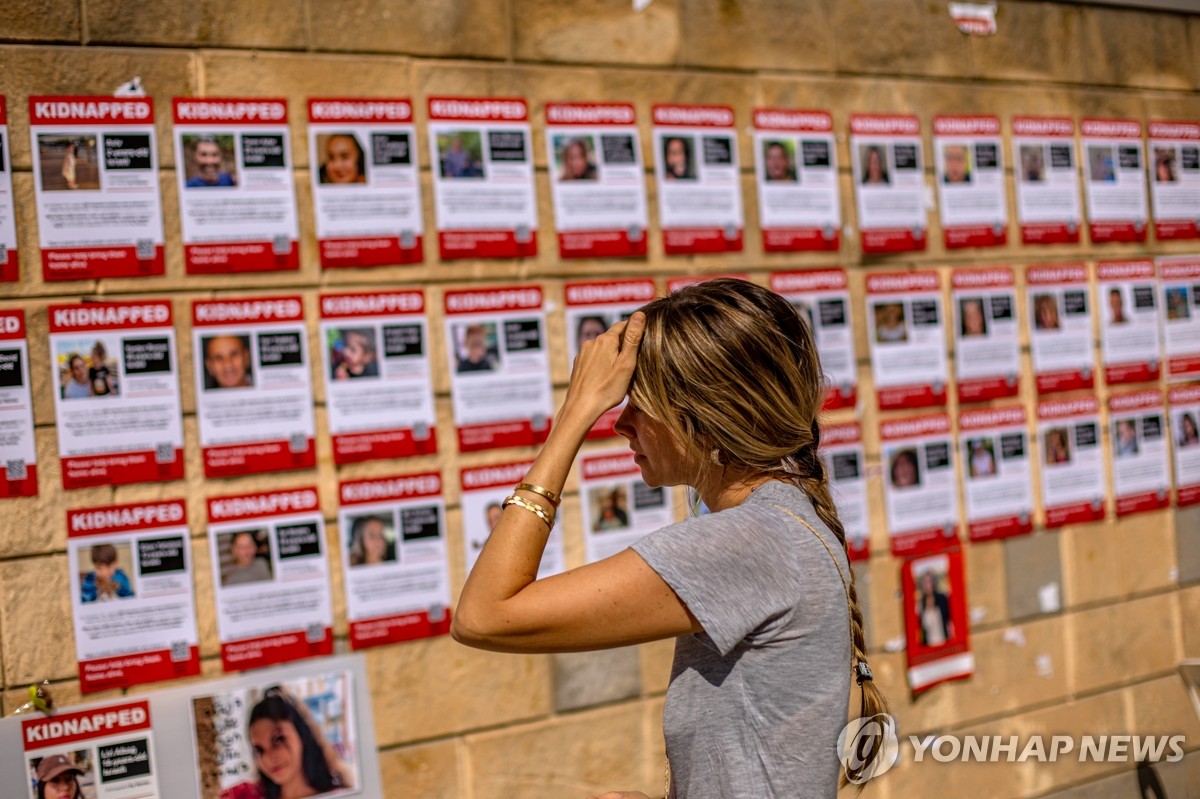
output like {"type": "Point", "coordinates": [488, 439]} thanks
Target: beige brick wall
{"type": "Point", "coordinates": [454, 722]}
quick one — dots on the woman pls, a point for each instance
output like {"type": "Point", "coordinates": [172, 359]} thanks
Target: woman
{"type": "Point", "coordinates": [369, 543]}
{"type": "Point", "coordinates": [58, 778]}
{"type": "Point", "coordinates": [99, 374]}
{"type": "Point", "coordinates": [576, 161]}
{"type": "Point", "coordinates": [1045, 312]}
{"type": "Point", "coordinates": [1189, 436]}
{"type": "Point", "coordinates": [678, 162]}
{"type": "Point", "coordinates": [724, 389]}
{"type": "Point", "coordinates": [344, 160]}
{"type": "Point", "coordinates": [933, 609]}
{"type": "Point", "coordinates": [875, 170]}
{"type": "Point", "coordinates": [77, 384]}
{"type": "Point", "coordinates": [68, 165]}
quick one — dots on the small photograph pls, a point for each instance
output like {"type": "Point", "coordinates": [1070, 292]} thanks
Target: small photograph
{"type": "Point", "coordinates": [931, 600]}
{"type": "Point", "coordinates": [1125, 438]}
{"type": "Point", "coordinates": [679, 157]}
{"type": "Point", "coordinates": [1189, 434]}
{"type": "Point", "coordinates": [1056, 446]}
{"type": "Point", "coordinates": [589, 328]}
{"type": "Point", "coordinates": [1116, 307]}
{"type": "Point", "coordinates": [1033, 163]}
{"type": "Point", "coordinates": [106, 572]}
{"type": "Point", "coordinates": [873, 159]}
{"type": "Point", "coordinates": [575, 157]}
{"type": "Point", "coordinates": [68, 163]}
{"type": "Point", "coordinates": [904, 469]}
{"type": "Point", "coordinates": [63, 776]}
{"type": "Point", "coordinates": [981, 457]}
{"type": "Point", "coordinates": [342, 158]}
{"type": "Point", "coordinates": [805, 312]}
{"type": "Point", "coordinates": [87, 368]}
{"type": "Point", "coordinates": [245, 557]}
{"type": "Point", "coordinates": [1045, 312]}
{"type": "Point", "coordinates": [460, 154]}
{"type": "Point", "coordinates": [610, 507]}
{"type": "Point", "coordinates": [209, 160]}
{"type": "Point", "coordinates": [972, 317]}
{"type": "Point", "coordinates": [956, 163]}
{"type": "Point", "coordinates": [1177, 303]}
{"type": "Point", "coordinates": [371, 539]}
{"type": "Point", "coordinates": [476, 348]}
{"type": "Point", "coordinates": [1101, 165]}
{"type": "Point", "coordinates": [353, 353]}
{"type": "Point", "coordinates": [228, 363]}
{"type": "Point", "coordinates": [779, 161]}
{"type": "Point", "coordinates": [1165, 168]}
{"type": "Point", "coordinates": [889, 322]}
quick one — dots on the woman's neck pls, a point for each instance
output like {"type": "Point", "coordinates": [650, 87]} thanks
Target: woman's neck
{"type": "Point", "coordinates": [728, 490]}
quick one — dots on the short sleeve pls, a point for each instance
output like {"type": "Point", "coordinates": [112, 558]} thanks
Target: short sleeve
{"type": "Point", "coordinates": [734, 570]}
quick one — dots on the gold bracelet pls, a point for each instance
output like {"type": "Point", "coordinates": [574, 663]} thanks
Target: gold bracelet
{"type": "Point", "coordinates": [532, 507]}
{"type": "Point", "coordinates": [553, 498]}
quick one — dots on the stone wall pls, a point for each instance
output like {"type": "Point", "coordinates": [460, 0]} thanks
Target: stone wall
{"type": "Point", "coordinates": [454, 722]}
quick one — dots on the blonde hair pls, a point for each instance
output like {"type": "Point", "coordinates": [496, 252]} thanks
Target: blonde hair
{"type": "Point", "coordinates": [733, 371]}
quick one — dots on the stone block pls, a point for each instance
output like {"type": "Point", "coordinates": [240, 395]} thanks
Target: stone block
{"type": "Point", "coordinates": [1189, 610]}
{"type": "Point", "coordinates": [208, 23]}
{"type": "Point", "coordinates": [786, 35]}
{"type": "Point", "coordinates": [583, 679]}
{"type": "Point", "coordinates": [885, 625]}
{"type": "Point", "coordinates": [906, 38]}
{"type": "Point", "coordinates": [1137, 48]}
{"type": "Point", "coordinates": [1033, 575]}
{"type": "Point", "coordinates": [1187, 543]}
{"type": "Point", "coordinates": [36, 633]}
{"type": "Point", "coordinates": [986, 573]}
{"type": "Point", "coordinates": [1033, 42]}
{"type": "Point", "coordinates": [606, 32]}
{"type": "Point", "coordinates": [1163, 707]}
{"type": "Point", "coordinates": [34, 21]}
{"type": "Point", "coordinates": [470, 28]}
{"type": "Point", "coordinates": [427, 770]}
{"type": "Point", "coordinates": [1118, 643]}
{"type": "Point", "coordinates": [656, 658]}
{"type": "Point", "coordinates": [1091, 571]}
{"type": "Point", "coordinates": [1147, 552]}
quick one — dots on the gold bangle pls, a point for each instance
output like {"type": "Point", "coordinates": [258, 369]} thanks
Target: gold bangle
{"type": "Point", "coordinates": [553, 498]}
{"type": "Point", "coordinates": [532, 507]}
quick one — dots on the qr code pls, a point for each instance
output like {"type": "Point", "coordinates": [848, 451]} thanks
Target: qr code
{"type": "Point", "coordinates": [298, 442]}
{"type": "Point", "coordinates": [314, 633]}
{"type": "Point", "coordinates": [145, 249]}
{"type": "Point", "coordinates": [15, 469]}
{"type": "Point", "coordinates": [281, 245]}
{"type": "Point", "coordinates": [164, 453]}
{"type": "Point", "coordinates": [3, 253]}
{"type": "Point", "coordinates": [180, 651]}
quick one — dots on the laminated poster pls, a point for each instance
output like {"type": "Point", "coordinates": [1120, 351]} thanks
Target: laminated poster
{"type": "Point", "coordinates": [592, 308]}
{"type": "Point", "coordinates": [366, 182]}
{"type": "Point", "coordinates": [237, 195]}
{"type": "Point", "coordinates": [795, 159]}
{"type": "Point", "coordinates": [1175, 179]}
{"type": "Point", "coordinates": [499, 367]}
{"type": "Point", "coordinates": [18, 447]}
{"type": "Point", "coordinates": [96, 181]}
{"type": "Point", "coordinates": [846, 468]}
{"type": "Point", "coordinates": [970, 180]}
{"type": "Point", "coordinates": [378, 389]}
{"type": "Point", "coordinates": [823, 299]}
{"type": "Point", "coordinates": [699, 184]}
{"type": "Point", "coordinates": [987, 338]}
{"type": "Point", "coordinates": [9, 265]}
{"type": "Point", "coordinates": [395, 561]}
{"type": "Point", "coordinates": [482, 162]}
{"type": "Point", "coordinates": [1180, 281]}
{"type": "Point", "coordinates": [595, 162]}
{"type": "Point", "coordinates": [270, 578]}
{"type": "Point", "coordinates": [907, 339]}
{"type": "Point", "coordinates": [1072, 461]}
{"type": "Point", "coordinates": [919, 485]}
{"type": "Point", "coordinates": [1141, 470]}
{"type": "Point", "coordinates": [484, 488]}
{"type": "Point", "coordinates": [115, 377]}
{"type": "Point", "coordinates": [935, 620]}
{"type": "Point", "coordinates": [618, 508]}
{"type": "Point", "coordinates": [1185, 432]}
{"type": "Point", "coordinates": [1060, 338]}
{"type": "Point", "coordinates": [1047, 180]}
{"type": "Point", "coordinates": [253, 385]}
{"type": "Point", "coordinates": [996, 472]}
{"type": "Point", "coordinates": [131, 594]}
{"type": "Point", "coordinates": [1116, 180]}
{"type": "Point", "coordinates": [889, 182]}
{"type": "Point", "coordinates": [1129, 321]}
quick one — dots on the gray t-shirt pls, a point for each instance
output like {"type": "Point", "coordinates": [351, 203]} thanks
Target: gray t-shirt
{"type": "Point", "coordinates": [757, 700]}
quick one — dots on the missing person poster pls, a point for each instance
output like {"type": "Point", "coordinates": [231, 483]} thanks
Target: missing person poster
{"type": "Point", "coordinates": [237, 196]}
{"type": "Point", "coordinates": [987, 339]}
{"type": "Point", "coordinates": [131, 594]}
{"type": "Point", "coordinates": [935, 620]}
{"type": "Point", "coordinates": [795, 160]}
{"type": "Point", "coordinates": [483, 188]}
{"type": "Point", "coordinates": [908, 341]}
{"type": "Point", "coordinates": [1180, 281]}
{"type": "Point", "coordinates": [592, 308]}
{"type": "Point", "coordinates": [1072, 462]}
{"type": "Point", "coordinates": [18, 447]}
{"type": "Point", "coordinates": [970, 180]}
{"type": "Point", "coordinates": [9, 265]}
{"type": "Point", "coordinates": [1141, 473]}
{"type": "Point", "coordinates": [1116, 180]}
{"type": "Point", "coordinates": [599, 187]}
{"type": "Point", "coordinates": [918, 483]}
{"type": "Point", "coordinates": [484, 489]}
{"type": "Point", "coordinates": [366, 182]}
{"type": "Point", "coordinates": [618, 508]}
{"type": "Point", "coordinates": [96, 182]}
{"type": "Point", "coordinates": [395, 560]}
{"type": "Point", "coordinates": [846, 469]}
{"type": "Point", "coordinates": [889, 182]}
{"type": "Point", "coordinates": [116, 392]}
{"type": "Point", "coordinates": [1175, 179]}
{"type": "Point", "coordinates": [378, 389]}
{"type": "Point", "coordinates": [823, 299]}
{"type": "Point", "coordinates": [1060, 339]}
{"type": "Point", "coordinates": [1047, 180]}
{"type": "Point", "coordinates": [1129, 323]}
{"type": "Point", "coordinates": [270, 577]}
{"type": "Point", "coordinates": [699, 184]}
{"type": "Point", "coordinates": [253, 385]}
{"type": "Point", "coordinates": [1185, 430]}
{"type": "Point", "coordinates": [101, 752]}
{"type": "Point", "coordinates": [996, 472]}
{"type": "Point", "coordinates": [499, 367]}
